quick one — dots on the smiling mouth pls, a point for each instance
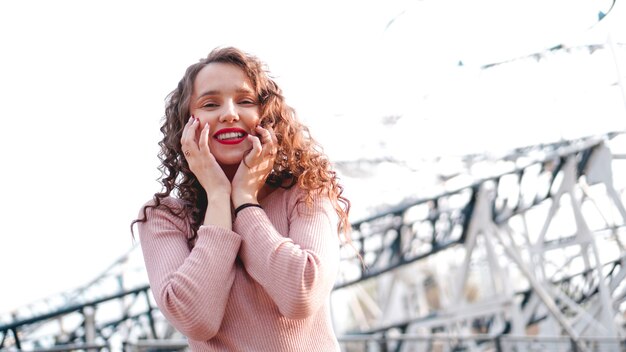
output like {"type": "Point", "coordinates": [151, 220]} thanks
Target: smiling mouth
{"type": "Point", "coordinates": [231, 136]}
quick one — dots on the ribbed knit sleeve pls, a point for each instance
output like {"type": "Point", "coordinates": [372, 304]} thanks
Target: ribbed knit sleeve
{"type": "Point", "coordinates": [296, 269]}
{"type": "Point", "coordinates": [191, 286]}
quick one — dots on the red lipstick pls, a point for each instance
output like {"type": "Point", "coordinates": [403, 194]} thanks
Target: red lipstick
{"type": "Point", "coordinates": [230, 135]}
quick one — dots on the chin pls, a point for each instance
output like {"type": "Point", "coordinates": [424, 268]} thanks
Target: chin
{"type": "Point", "coordinates": [229, 161]}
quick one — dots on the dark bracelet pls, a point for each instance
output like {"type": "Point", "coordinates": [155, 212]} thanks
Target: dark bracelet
{"type": "Point", "coordinates": [244, 206]}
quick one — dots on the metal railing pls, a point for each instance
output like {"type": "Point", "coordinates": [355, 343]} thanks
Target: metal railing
{"type": "Point", "coordinates": [475, 342]}
{"type": "Point", "coordinates": [396, 236]}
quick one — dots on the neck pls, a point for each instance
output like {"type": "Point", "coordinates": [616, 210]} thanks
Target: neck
{"type": "Point", "coordinates": [230, 170]}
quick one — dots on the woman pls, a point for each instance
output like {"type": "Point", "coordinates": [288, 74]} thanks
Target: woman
{"type": "Point", "coordinates": [242, 245]}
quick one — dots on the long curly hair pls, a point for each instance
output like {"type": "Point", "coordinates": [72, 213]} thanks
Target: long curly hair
{"type": "Point", "coordinates": [299, 161]}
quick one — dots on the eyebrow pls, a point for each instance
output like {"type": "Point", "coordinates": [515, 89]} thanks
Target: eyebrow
{"type": "Point", "coordinates": [216, 92]}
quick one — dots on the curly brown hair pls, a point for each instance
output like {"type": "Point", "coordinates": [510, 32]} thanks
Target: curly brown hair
{"type": "Point", "coordinates": [300, 159]}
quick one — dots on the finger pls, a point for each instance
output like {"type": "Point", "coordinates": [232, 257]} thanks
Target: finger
{"type": "Point", "coordinates": [187, 144]}
{"type": "Point", "coordinates": [193, 134]}
{"type": "Point", "coordinates": [186, 129]}
{"type": "Point", "coordinates": [273, 135]}
{"type": "Point", "coordinates": [189, 132]}
{"type": "Point", "coordinates": [256, 145]}
{"type": "Point", "coordinates": [269, 140]}
{"type": "Point", "coordinates": [274, 141]}
{"type": "Point", "coordinates": [204, 139]}
{"type": "Point", "coordinates": [264, 135]}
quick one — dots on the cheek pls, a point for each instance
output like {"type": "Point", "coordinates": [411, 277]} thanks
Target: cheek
{"type": "Point", "coordinates": [253, 121]}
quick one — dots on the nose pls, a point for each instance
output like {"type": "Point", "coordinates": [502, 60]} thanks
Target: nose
{"type": "Point", "coordinates": [229, 113]}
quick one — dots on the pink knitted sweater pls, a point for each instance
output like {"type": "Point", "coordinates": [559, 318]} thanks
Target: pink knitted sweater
{"type": "Point", "coordinates": [264, 286]}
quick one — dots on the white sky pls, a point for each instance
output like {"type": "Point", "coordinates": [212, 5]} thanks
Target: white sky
{"type": "Point", "coordinates": [83, 86]}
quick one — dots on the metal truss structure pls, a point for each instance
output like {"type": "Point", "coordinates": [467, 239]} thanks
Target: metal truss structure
{"type": "Point", "coordinates": [527, 256]}
{"type": "Point", "coordinates": [531, 258]}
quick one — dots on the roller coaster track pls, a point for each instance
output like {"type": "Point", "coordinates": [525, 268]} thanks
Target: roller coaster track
{"type": "Point", "coordinates": [466, 262]}
{"type": "Point", "coordinates": [562, 283]}
{"type": "Point", "coordinates": [528, 256]}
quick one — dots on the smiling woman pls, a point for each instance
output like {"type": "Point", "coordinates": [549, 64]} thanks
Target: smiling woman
{"type": "Point", "coordinates": [247, 226]}
{"type": "Point", "coordinates": [224, 97]}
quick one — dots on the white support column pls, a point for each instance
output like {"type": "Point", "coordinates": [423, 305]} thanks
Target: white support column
{"type": "Point", "coordinates": [89, 314]}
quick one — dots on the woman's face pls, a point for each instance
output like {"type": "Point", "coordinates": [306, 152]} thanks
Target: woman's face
{"type": "Point", "coordinates": [224, 98]}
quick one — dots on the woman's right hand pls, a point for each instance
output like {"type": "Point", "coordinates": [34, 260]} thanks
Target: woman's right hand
{"type": "Point", "coordinates": [201, 162]}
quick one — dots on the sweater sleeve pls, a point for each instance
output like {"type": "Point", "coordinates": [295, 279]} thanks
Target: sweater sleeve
{"type": "Point", "coordinates": [298, 270]}
{"type": "Point", "coordinates": [191, 286]}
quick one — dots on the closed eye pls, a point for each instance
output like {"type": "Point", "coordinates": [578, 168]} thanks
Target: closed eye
{"type": "Point", "coordinates": [247, 102]}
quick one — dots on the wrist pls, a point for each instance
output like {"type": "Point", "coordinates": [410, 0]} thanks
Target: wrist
{"type": "Point", "coordinates": [246, 205]}
{"type": "Point", "coordinates": [240, 199]}
{"type": "Point", "coordinates": [218, 211]}
{"type": "Point", "coordinates": [217, 197]}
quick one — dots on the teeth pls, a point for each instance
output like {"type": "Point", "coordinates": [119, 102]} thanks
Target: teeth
{"type": "Point", "coordinates": [230, 135]}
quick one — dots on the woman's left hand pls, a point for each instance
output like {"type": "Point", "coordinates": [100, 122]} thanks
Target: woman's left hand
{"type": "Point", "coordinates": [255, 167]}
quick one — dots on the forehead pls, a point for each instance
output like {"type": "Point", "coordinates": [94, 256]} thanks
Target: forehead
{"type": "Point", "coordinates": [221, 77]}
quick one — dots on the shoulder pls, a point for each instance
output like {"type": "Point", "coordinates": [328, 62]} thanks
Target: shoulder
{"type": "Point", "coordinates": [301, 201]}
{"type": "Point", "coordinates": [168, 208]}
{"type": "Point", "coordinates": [291, 196]}
{"type": "Point", "coordinates": [166, 217]}
{"type": "Point", "coordinates": [168, 201]}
